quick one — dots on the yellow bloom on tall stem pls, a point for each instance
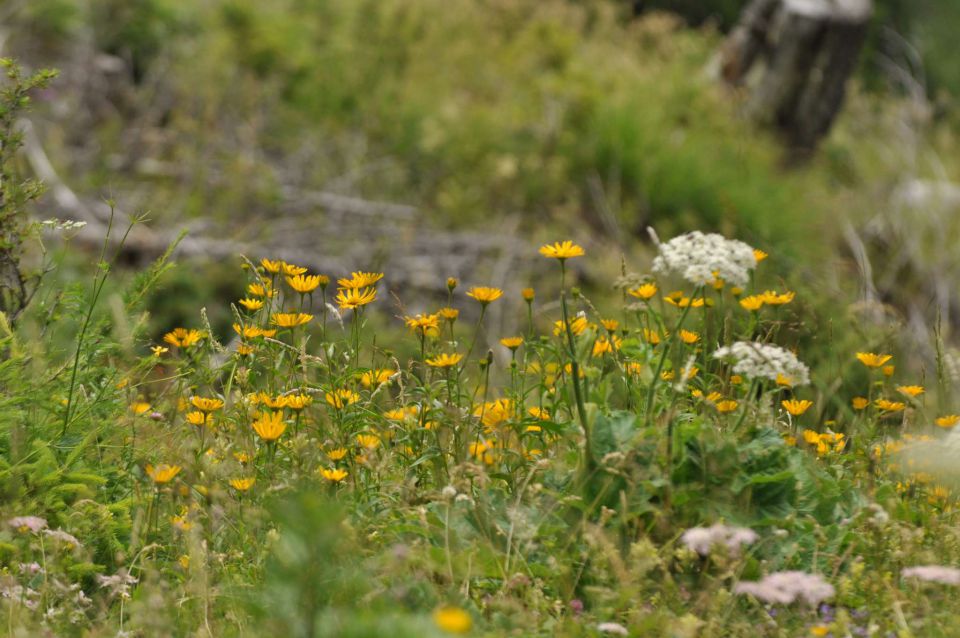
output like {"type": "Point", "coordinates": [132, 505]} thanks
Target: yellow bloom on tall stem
{"type": "Point", "coordinates": [205, 404]}
{"type": "Point", "coordinates": [182, 338]}
{"type": "Point", "coordinates": [159, 351]}
{"type": "Point", "coordinates": [511, 342]}
{"type": "Point", "coordinates": [795, 407]}
{"type": "Point", "coordinates": [688, 336]}
{"type": "Point", "coordinates": [353, 298]}
{"type": "Point", "coordinates": [759, 255]}
{"type": "Point", "coordinates": [336, 454]}
{"type": "Point", "coordinates": [444, 360]}
{"type": "Point", "coordinates": [947, 421]}
{"type": "Point", "coordinates": [261, 290]}
{"type": "Point", "coordinates": [297, 401]}
{"type": "Point", "coordinates": [890, 406]}
{"type": "Point", "coordinates": [162, 473]}
{"type": "Point", "coordinates": [306, 283]}
{"type": "Point", "coordinates": [872, 360]}
{"type": "Point", "coordinates": [772, 298]}
{"type": "Point", "coordinates": [528, 294]}
{"type": "Point", "coordinates": [341, 398]}
{"type": "Point", "coordinates": [271, 266]}
{"type": "Point", "coordinates": [577, 327]}
{"type": "Point", "coordinates": [644, 291]}
{"type": "Point", "coordinates": [911, 390]}
{"type": "Point", "coordinates": [561, 250]}
{"type": "Point", "coordinates": [334, 475]}
{"type": "Point", "coordinates": [291, 270]}
{"type": "Point", "coordinates": [424, 325]}
{"type": "Point", "coordinates": [199, 418]}
{"type": "Point", "coordinates": [485, 294]}
{"type": "Point", "coordinates": [368, 441]}
{"type": "Point", "coordinates": [752, 303]}
{"type": "Point", "coordinates": [270, 426]}
{"type": "Point", "coordinates": [251, 304]}
{"type": "Point", "coordinates": [242, 484]}
{"type": "Point", "coordinates": [859, 403]}
{"type": "Point", "coordinates": [450, 314]}
{"type": "Point", "coordinates": [452, 620]}
{"type": "Point", "coordinates": [290, 319]}
{"type": "Point", "coordinates": [360, 280]}
{"type": "Point", "coordinates": [373, 378]}
{"type": "Point", "coordinates": [139, 407]}
{"type": "Point", "coordinates": [728, 405]}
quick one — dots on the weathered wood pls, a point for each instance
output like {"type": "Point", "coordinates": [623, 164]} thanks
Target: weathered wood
{"type": "Point", "coordinates": [795, 57]}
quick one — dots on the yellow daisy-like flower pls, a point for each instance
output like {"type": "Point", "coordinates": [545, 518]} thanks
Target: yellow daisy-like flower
{"type": "Point", "coordinates": [872, 360]}
{"type": "Point", "coordinates": [291, 270]}
{"type": "Point", "coordinates": [336, 454]}
{"type": "Point", "coordinates": [644, 291]}
{"type": "Point", "coordinates": [290, 319]}
{"type": "Point", "coordinates": [859, 403]}
{"type": "Point", "coordinates": [528, 294]}
{"type": "Point", "coordinates": [452, 283]}
{"type": "Point", "coordinates": [888, 371]}
{"type": "Point", "coordinates": [561, 250]}
{"type": "Point", "coordinates": [306, 283]}
{"type": "Point", "coordinates": [790, 440]}
{"type": "Point", "coordinates": [890, 406]}
{"type": "Point", "coordinates": [248, 332]}
{"type": "Point", "coordinates": [162, 473]}
{"type": "Point", "coordinates": [242, 484]}
{"type": "Point", "coordinates": [353, 298]}
{"type": "Point", "coordinates": [297, 401]}
{"type": "Point", "coordinates": [159, 351]}
{"type": "Point", "coordinates": [752, 303]}
{"type": "Point", "coordinates": [341, 398]}
{"type": "Point", "coordinates": [668, 375]}
{"type": "Point", "coordinates": [360, 280]}
{"type": "Point", "coordinates": [811, 437]}
{"type": "Point", "coordinates": [577, 327]}
{"type": "Point", "coordinates": [399, 414]}
{"type": "Point", "coordinates": [270, 426]}
{"type": "Point", "coordinates": [511, 342]}
{"type": "Point", "coordinates": [688, 337]}
{"type": "Point", "coordinates": [948, 421]}
{"type": "Point", "coordinates": [199, 418]}
{"type": "Point", "coordinates": [604, 345]}
{"type": "Point", "coordinates": [795, 407]}
{"type": "Point", "coordinates": [735, 379]}
{"type": "Point", "coordinates": [759, 255]}
{"type": "Point", "coordinates": [783, 380]}
{"type": "Point", "coordinates": [182, 338]}
{"type": "Point", "coordinates": [650, 336]}
{"type": "Point", "coordinates": [610, 325]}
{"type": "Point", "coordinates": [485, 294]}
{"type": "Point", "coordinates": [633, 368]}
{"type": "Point", "coordinates": [368, 441]}
{"type": "Point", "coordinates": [205, 404]}
{"type": "Point", "coordinates": [539, 413]}
{"type": "Point", "coordinates": [271, 266]}
{"type": "Point", "coordinates": [425, 325]}
{"type": "Point", "coordinates": [251, 304]}
{"type": "Point", "coordinates": [450, 314]}
{"type": "Point", "coordinates": [261, 290]}
{"type": "Point", "coordinates": [728, 405]}
{"type": "Point", "coordinates": [772, 298]}
{"type": "Point", "coordinates": [334, 475]}
{"type": "Point", "coordinates": [911, 390]}
{"type": "Point", "coordinates": [372, 378]}
{"type": "Point", "coordinates": [444, 360]}
{"type": "Point", "coordinates": [139, 407]}
{"type": "Point", "coordinates": [453, 620]}
{"type": "Point", "coordinates": [242, 457]}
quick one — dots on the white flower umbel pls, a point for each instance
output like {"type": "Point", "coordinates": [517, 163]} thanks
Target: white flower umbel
{"type": "Point", "coordinates": [702, 259]}
{"type": "Point", "coordinates": [763, 361]}
{"type": "Point", "coordinates": [787, 587]}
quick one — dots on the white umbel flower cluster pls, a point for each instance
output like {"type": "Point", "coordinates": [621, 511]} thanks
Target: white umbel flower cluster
{"type": "Point", "coordinates": [701, 259]}
{"type": "Point", "coordinates": [763, 361]}
{"type": "Point", "coordinates": [787, 587]}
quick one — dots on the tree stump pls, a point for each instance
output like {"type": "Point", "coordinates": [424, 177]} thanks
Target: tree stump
{"type": "Point", "coordinates": [795, 57]}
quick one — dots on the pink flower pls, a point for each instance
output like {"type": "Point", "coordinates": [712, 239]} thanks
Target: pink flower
{"type": "Point", "coordinates": [786, 587]}
{"type": "Point", "coordinates": [702, 539]}
{"type": "Point", "coordinates": [28, 523]}
{"type": "Point", "coordinates": [934, 574]}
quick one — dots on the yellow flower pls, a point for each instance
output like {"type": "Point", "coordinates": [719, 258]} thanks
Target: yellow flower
{"type": "Point", "coordinates": [634, 368]}
{"type": "Point", "coordinates": [251, 304]}
{"type": "Point", "coordinates": [811, 437]}
{"type": "Point", "coordinates": [667, 375]}
{"type": "Point", "coordinates": [790, 440]}
{"type": "Point", "coordinates": [528, 294]}
{"type": "Point", "coordinates": [752, 303]}
{"type": "Point", "coordinates": [644, 291]}
{"type": "Point", "coordinates": [377, 377]}
{"type": "Point", "coordinates": [444, 360]}
{"type": "Point", "coordinates": [159, 350]}
{"type": "Point", "coordinates": [207, 405]}
{"type": "Point", "coordinates": [820, 630]}
{"type": "Point", "coordinates": [335, 475]}
{"type": "Point", "coordinates": [336, 454]}
{"type": "Point", "coordinates": [772, 298]}
{"type": "Point", "coordinates": [162, 473]}
{"type": "Point", "coordinates": [181, 523]}
{"type": "Point", "coordinates": [242, 484]}
{"type": "Point", "coordinates": [426, 325]}
{"type": "Point", "coordinates": [728, 405]}
{"type": "Point", "coordinates": [481, 451]}
{"type": "Point", "coordinates": [890, 406]}
{"type": "Point", "coordinates": [297, 401]}
{"type": "Point", "coordinates": [795, 407]}
{"type": "Point", "coordinates": [400, 414]}
{"type": "Point", "coordinates": [272, 267]}
{"type": "Point", "coordinates": [888, 371]}
{"type": "Point", "coordinates": [290, 319]}
{"type": "Point", "coordinates": [368, 441]}
{"type": "Point", "coordinates": [306, 283]}
{"type": "Point", "coordinates": [139, 407]}
{"type": "Point", "coordinates": [736, 379]}
{"type": "Point", "coordinates": [292, 271]}
{"type": "Point", "coordinates": [561, 250]}
{"type": "Point", "coordinates": [872, 360]}
{"type": "Point", "coordinates": [736, 291]}
{"type": "Point", "coordinates": [485, 294]}
{"type": "Point", "coordinates": [360, 280]}
{"type": "Point", "coordinates": [182, 338]}
{"type": "Point", "coordinates": [577, 326]}
{"type": "Point", "coordinates": [261, 290]}
{"type": "Point", "coordinates": [242, 457]}
{"type": "Point", "coordinates": [353, 298]}
{"type": "Point", "coordinates": [452, 283]}
{"type": "Point", "coordinates": [948, 421]}
{"type": "Point", "coordinates": [859, 403]}
{"type": "Point", "coordinates": [251, 332]}
{"type": "Point", "coordinates": [783, 380]}
{"type": "Point", "coordinates": [450, 314]}
{"type": "Point", "coordinates": [199, 418]}
{"type": "Point", "coordinates": [688, 336]}
{"type": "Point", "coordinates": [651, 336]}
{"type": "Point", "coordinates": [911, 390]}
{"type": "Point", "coordinates": [539, 413]}
{"type": "Point", "coordinates": [610, 325]}
{"type": "Point", "coordinates": [453, 620]}
{"type": "Point", "coordinates": [511, 342]}
{"type": "Point", "coordinates": [342, 398]}
{"type": "Point", "coordinates": [759, 255]}
{"type": "Point", "coordinates": [270, 425]}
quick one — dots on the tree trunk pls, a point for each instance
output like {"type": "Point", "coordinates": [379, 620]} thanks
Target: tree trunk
{"type": "Point", "coordinates": [806, 50]}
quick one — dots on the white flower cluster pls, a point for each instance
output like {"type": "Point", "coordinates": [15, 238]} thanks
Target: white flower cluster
{"type": "Point", "coordinates": [934, 574]}
{"type": "Point", "coordinates": [786, 587]}
{"type": "Point", "coordinates": [62, 224]}
{"type": "Point", "coordinates": [701, 259]}
{"type": "Point", "coordinates": [763, 361]}
{"type": "Point", "coordinates": [702, 539]}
